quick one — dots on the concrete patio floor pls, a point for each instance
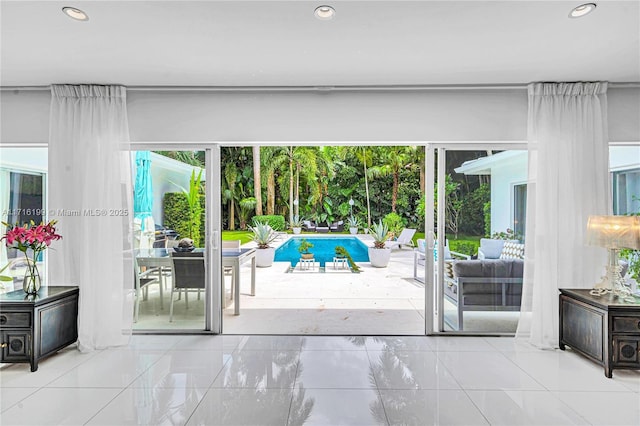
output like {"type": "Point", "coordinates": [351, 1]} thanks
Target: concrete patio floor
{"type": "Point", "coordinates": [376, 301]}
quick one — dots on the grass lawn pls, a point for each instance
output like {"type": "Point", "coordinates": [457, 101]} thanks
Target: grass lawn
{"type": "Point", "coordinates": [243, 236]}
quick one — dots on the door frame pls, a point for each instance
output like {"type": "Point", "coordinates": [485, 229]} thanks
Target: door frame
{"type": "Point", "coordinates": [434, 301]}
{"type": "Point", "coordinates": [213, 261]}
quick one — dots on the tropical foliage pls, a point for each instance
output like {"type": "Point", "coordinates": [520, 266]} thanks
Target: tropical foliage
{"type": "Point", "coordinates": [380, 234]}
{"type": "Point", "coordinates": [263, 235]}
{"type": "Point", "coordinates": [317, 182]}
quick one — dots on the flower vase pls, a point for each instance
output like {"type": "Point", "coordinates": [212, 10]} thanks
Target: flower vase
{"type": "Point", "coordinates": [31, 283]}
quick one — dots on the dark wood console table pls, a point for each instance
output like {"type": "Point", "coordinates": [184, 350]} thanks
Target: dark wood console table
{"type": "Point", "coordinates": [34, 327]}
{"type": "Point", "coordinates": [603, 328]}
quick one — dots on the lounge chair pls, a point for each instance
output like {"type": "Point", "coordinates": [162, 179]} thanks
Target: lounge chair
{"type": "Point", "coordinates": [404, 239]}
{"type": "Point", "coordinates": [337, 226]}
{"type": "Point", "coordinates": [308, 225]}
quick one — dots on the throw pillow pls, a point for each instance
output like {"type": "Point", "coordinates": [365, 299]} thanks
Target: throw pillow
{"type": "Point", "coordinates": [512, 251]}
{"type": "Point", "coordinates": [491, 248]}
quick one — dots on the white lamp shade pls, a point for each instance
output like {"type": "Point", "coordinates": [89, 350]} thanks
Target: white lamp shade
{"type": "Point", "coordinates": [614, 232]}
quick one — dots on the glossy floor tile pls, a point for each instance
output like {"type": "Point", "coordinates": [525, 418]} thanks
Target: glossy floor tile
{"type": "Point", "coordinates": [565, 371]}
{"type": "Point", "coordinates": [430, 407]}
{"type": "Point", "coordinates": [604, 408]}
{"type": "Point", "coordinates": [337, 407]}
{"type": "Point", "coordinates": [150, 406]}
{"type": "Point", "coordinates": [318, 380]}
{"type": "Point", "coordinates": [259, 370]}
{"type": "Point", "coordinates": [487, 370]}
{"type": "Point", "coordinates": [59, 406]}
{"type": "Point", "coordinates": [335, 369]}
{"type": "Point", "coordinates": [246, 407]}
{"type": "Point", "coordinates": [410, 370]}
{"type": "Point", "coordinates": [512, 408]}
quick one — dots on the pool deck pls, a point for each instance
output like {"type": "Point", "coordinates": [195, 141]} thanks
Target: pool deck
{"type": "Point", "coordinates": [333, 301]}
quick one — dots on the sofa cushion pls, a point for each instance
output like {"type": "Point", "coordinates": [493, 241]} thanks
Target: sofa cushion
{"type": "Point", "coordinates": [512, 251]}
{"type": "Point", "coordinates": [517, 268]}
{"type": "Point", "coordinates": [468, 268]}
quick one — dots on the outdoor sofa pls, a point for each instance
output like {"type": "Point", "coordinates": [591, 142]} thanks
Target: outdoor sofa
{"type": "Point", "coordinates": [484, 285]}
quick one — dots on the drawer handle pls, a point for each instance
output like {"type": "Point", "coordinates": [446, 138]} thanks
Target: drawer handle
{"type": "Point", "coordinates": [4, 345]}
{"type": "Point", "coordinates": [3, 320]}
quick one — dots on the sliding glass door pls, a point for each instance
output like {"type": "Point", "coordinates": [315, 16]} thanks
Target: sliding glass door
{"type": "Point", "coordinates": [478, 238]}
{"type": "Point", "coordinates": [174, 240]}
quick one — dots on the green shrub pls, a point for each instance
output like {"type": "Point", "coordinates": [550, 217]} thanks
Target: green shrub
{"type": "Point", "coordinates": [176, 213]}
{"type": "Point", "coordinates": [464, 246]}
{"type": "Point", "coordinates": [275, 221]}
{"type": "Point", "coordinates": [394, 222]}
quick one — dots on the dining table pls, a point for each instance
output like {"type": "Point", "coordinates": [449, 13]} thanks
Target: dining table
{"type": "Point", "coordinates": [160, 258]}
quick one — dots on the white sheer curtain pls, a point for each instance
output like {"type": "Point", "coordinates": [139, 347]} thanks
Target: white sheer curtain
{"type": "Point", "coordinates": [5, 193]}
{"type": "Point", "coordinates": [90, 193]}
{"type": "Point", "coordinates": [568, 181]}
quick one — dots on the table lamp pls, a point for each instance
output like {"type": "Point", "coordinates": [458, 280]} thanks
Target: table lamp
{"type": "Point", "coordinates": [614, 233]}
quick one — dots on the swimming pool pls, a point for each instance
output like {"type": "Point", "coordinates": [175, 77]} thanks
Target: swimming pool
{"type": "Point", "coordinates": [323, 249]}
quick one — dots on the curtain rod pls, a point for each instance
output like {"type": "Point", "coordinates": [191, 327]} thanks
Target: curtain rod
{"type": "Point", "coordinates": [319, 89]}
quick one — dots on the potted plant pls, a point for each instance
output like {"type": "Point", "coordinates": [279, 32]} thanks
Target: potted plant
{"type": "Point", "coordinates": [342, 252]}
{"type": "Point", "coordinates": [379, 255]}
{"type": "Point", "coordinates": [354, 224]}
{"type": "Point", "coordinates": [296, 224]}
{"type": "Point", "coordinates": [304, 249]}
{"type": "Point", "coordinates": [263, 235]}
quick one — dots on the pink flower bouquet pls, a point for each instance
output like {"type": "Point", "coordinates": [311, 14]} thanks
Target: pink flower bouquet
{"type": "Point", "coordinates": [31, 237]}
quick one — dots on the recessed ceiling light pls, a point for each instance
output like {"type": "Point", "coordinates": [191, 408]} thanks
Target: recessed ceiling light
{"type": "Point", "coordinates": [75, 13]}
{"type": "Point", "coordinates": [583, 9]}
{"type": "Point", "coordinates": [324, 12]}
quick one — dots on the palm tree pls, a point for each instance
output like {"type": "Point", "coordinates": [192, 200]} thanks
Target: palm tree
{"type": "Point", "coordinates": [257, 186]}
{"type": "Point", "coordinates": [228, 191]}
{"type": "Point", "coordinates": [364, 155]}
{"type": "Point", "coordinates": [272, 158]}
{"type": "Point", "coordinates": [394, 159]}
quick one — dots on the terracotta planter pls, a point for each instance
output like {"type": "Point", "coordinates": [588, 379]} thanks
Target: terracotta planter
{"type": "Point", "coordinates": [264, 257]}
{"type": "Point", "coordinates": [306, 255]}
{"type": "Point", "coordinates": [379, 258]}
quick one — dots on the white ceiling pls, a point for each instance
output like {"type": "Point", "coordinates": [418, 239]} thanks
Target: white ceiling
{"type": "Point", "coordinates": [281, 43]}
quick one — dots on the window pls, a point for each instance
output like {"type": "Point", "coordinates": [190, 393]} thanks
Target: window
{"type": "Point", "coordinates": [520, 208]}
{"type": "Point", "coordinates": [626, 191]}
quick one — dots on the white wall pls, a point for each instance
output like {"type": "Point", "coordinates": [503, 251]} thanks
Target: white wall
{"type": "Point", "coordinates": [504, 176]}
{"type": "Point", "coordinates": [441, 115]}
{"type": "Point", "coordinates": [335, 116]}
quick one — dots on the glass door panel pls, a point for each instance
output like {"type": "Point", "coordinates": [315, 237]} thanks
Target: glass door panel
{"type": "Point", "coordinates": [170, 240]}
{"type": "Point", "coordinates": [481, 212]}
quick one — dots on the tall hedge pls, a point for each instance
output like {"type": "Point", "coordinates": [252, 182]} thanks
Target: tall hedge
{"type": "Point", "coordinates": [176, 215]}
{"type": "Point", "coordinates": [275, 221]}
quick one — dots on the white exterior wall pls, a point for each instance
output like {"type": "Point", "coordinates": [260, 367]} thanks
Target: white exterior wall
{"type": "Point", "coordinates": [167, 175]}
{"type": "Point", "coordinates": [504, 176]}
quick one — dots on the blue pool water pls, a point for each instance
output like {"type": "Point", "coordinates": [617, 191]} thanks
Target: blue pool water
{"type": "Point", "coordinates": [323, 249]}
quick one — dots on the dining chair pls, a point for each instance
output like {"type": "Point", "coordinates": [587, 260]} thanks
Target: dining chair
{"type": "Point", "coordinates": [162, 243]}
{"type": "Point", "coordinates": [141, 281]}
{"type": "Point", "coordinates": [188, 275]}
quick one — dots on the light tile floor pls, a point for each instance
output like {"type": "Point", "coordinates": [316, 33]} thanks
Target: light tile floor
{"type": "Point", "coordinates": [318, 380]}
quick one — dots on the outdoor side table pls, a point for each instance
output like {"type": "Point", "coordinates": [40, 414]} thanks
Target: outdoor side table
{"type": "Point", "coordinates": [340, 263]}
{"type": "Point", "coordinates": [306, 264]}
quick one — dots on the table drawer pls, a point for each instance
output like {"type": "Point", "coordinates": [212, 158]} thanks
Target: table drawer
{"type": "Point", "coordinates": [15, 319]}
{"type": "Point", "coordinates": [626, 350]}
{"type": "Point", "coordinates": [626, 324]}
